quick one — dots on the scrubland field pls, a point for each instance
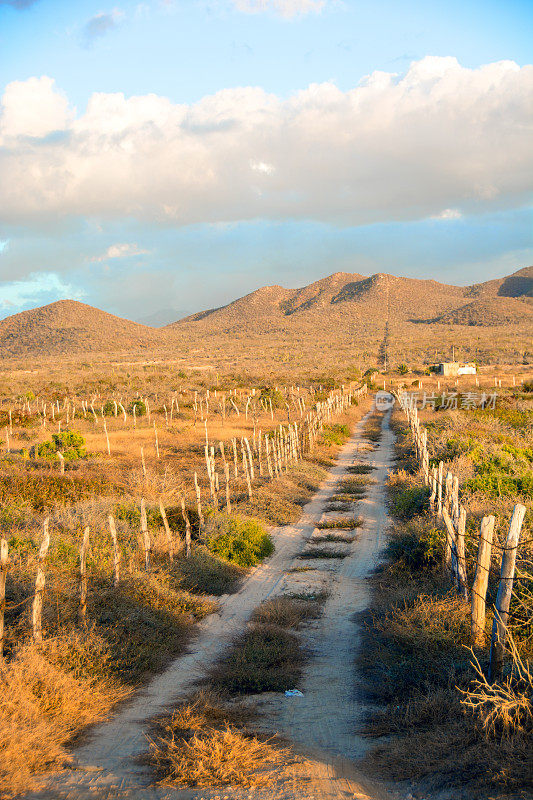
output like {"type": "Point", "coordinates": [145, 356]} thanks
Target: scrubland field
{"type": "Point", "coordinates": [115, 447]}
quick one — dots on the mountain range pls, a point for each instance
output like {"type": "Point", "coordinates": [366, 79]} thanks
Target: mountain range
{"type": "Point", "coordinates": [345, 309]}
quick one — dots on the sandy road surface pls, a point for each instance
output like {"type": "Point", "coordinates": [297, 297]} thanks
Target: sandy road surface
{"type": "Point", "coordinates": [323, 724]}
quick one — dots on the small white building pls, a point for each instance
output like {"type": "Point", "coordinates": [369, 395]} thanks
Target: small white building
{"type": "Point", "coordinates": [467, 369]}
{"type": "Point", "coordinates": [453, 368]}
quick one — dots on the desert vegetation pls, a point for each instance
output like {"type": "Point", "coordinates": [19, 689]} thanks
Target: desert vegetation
{"type": "Point", "coordinates": [124, 515]}
{"type": "Point", "coordinates": [448, 645]}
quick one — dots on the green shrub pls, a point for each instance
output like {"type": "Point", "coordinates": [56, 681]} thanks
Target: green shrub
{"type": "Point", "coordinates": [140, 407]}
{"type": "Point", "coordinates": [70, 444]}
{"type": "Point", "coordinates": [335, 434]}
{"type": "Point", "coordinates": [108, 409]}
{"type": "Point", "coordinates": [408, 503]}
{"type": "Point", "coordinates": [416, 550]}
{"type": "Point", "coordinates": [268, 394]}
{"type": "Point", "coordinates": [241, 540]}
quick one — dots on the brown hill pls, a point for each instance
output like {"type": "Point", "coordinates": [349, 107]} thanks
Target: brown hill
{"type": "Point", "coordinates": [519, 284]}
{"type": "Point", "coordinates": [489, 312]}
{"type": "Point", "coordinates": [343, 318]}
{"type": "Point", "coordinates": [68, 327]}
{"type": "Point", "coordinates": [344, 297]}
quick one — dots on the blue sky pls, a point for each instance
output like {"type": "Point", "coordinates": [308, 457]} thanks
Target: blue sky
{"type": "Point", "coordinates": [174, 155]}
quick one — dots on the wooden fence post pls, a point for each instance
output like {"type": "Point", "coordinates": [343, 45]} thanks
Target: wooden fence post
{"type": "Point", "coordinates": [439, 489]}
{"type": "Point", "coordinates": [107, 438]}
{"type": "Point", "coordinates": [143, 463]}
{"type": "Point", "coordinates": [505, 588]}
{"type": "Point", "coordinates": [116, 551]}
{"type": "Point", "coordinates": [39, 585]}
{"type": "Point", "coordinates": [82, 612]}
{"type": "Point", "coordinates": [461, 559]}
{"type": "Point", "coordinates": [226, 475]}
{"type": "Point", "coordinates": [198, 504]}
{"type": "Point", "coordinates": [451, 547]}
{"type": "Point", "coordinates": [3, 575]}
{"type": "Point", "coordinates": [167, 530]}
{"type": "Point", "coordinates": [145, 535]}
{"type": "Point", "coordinates": [187, 528]}
{"type": "Point", "coordinates": [246, 474]}
{"type": "Point", "coordinates": [481, 580]}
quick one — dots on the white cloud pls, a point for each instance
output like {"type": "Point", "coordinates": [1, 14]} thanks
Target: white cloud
{"type": "Point", "coordinates": [33, 108]}
{"type": "Point", "coordinates": [285, 8]}
{"type": "Point", "coordinates": [392, 148]}
{"type": "Point", "coordinates": [36, 288]}
{"type": "Point", "coordinates": [121, 251]}
{"type": "Point", "coordinates": [261, 166]}
{"type": "Point", "coordinates": [448, 213]}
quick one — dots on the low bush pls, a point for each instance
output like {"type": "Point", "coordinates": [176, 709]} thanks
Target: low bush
{"type": "Point", "coordinates": [241, 540]}
{"type": "Point", "coordinates": [415, 548]}
{"type": "Point", "coordinates": [410, 501]}
{"type": "Point", "coordinates": [70, 444]}
{"type": "Point", "coordinates": [336, 434]}
{"type": "Point", "coordinates": [140, 407]}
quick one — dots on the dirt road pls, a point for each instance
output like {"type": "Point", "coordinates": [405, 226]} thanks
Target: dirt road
{"type": "Point", "coordinates": [323, 724]}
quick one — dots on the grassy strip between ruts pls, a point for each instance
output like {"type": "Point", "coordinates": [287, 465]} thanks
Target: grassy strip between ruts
{"type": "Point", "coordinates": [206, 742]}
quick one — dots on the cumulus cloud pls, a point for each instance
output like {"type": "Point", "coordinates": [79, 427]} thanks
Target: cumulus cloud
{"type": "Point", "coordinates": [121, 251]}
{"type": "Point", "coordinates": [33, 108]}
{"type": "Point", "coordinates": [101, 24]}
{"type": "Point", "coordinates": [285, 8]}
{"type": "Point", "coordinates": [436, 138]}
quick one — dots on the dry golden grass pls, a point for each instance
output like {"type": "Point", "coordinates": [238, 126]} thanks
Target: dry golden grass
{"type": "Point", "coordinates": [286, 611]}
{"type": "Point", "coordinates": [505, 708]}
{"type": "Point", "coordinates": [204, 743]}
{"type": "Point", "coordinates": [42, 707]}
{"type": "Point", "coordinates": [440, 720]}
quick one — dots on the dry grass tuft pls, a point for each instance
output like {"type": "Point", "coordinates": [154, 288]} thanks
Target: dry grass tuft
{"type": "Point", "coordinates": [505, 708]}
{"type": "Point", "coordinates": [200, 745]}
{"type": "Point", "coordinates": [347, 523]}
{"type": "Point", "coordinates": [322, 552]}
{"type": "Point", "coordinates": [287, 612]}
{"type": "Point", "coordinates": [42, 708]}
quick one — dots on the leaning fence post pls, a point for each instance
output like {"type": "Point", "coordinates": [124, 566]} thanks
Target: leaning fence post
{"type": "Point", "coordinates": [187, 528]}
{"type": "Point", "coordinates": [451, 547]}
{"type": "Point", "coordinates": [503, 598]}
{"type": "Point", "coordinates": [167, 530]}
{"type": "Point", "coordinates": [82, 614]}
{"type": "Point", "coordinates": [461, 560]}
{"type": "Point", "coordinates": [3, 575]}
{"type": "Point", "coordinates": [226, 475]}
{"type": "Point", "coordinates": [39, 586]}
{"type": "Point", "coordinates": [116, 551]}
{"type": "Point", "coordinates": [481, 580]}
{"type": "Point", "coordinates": [439, 489]}
{"type": "Point", "coordinates": [198, 504]}
{"type": "Point", "coordinates": [145, 535]}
